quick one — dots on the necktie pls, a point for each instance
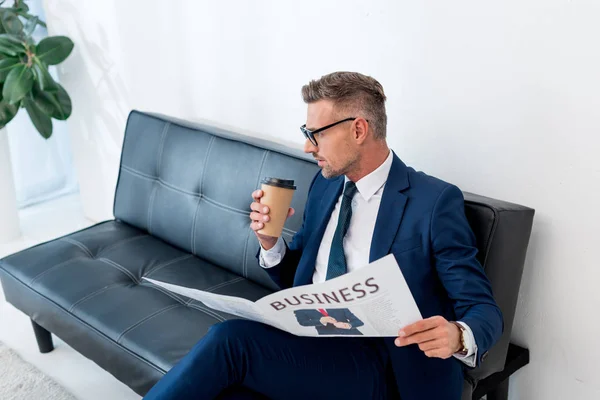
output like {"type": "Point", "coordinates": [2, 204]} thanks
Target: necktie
{"type": "Point", "coordinates": [337, 259]}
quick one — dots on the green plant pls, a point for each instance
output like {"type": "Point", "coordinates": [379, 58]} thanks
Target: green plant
{"type": "Point", "coordinates": [25, 81]}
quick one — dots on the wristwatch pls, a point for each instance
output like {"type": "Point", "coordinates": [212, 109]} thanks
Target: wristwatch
{"type": "Point", "coordinates": [463, 350]}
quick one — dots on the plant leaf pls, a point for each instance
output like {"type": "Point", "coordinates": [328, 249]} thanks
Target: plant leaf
{"type": "Point", "coordinates": [30, 26]}
{"type": "Point", "coordinates": [23, 7]}
{"type": "Point", "coordinates": [64, 108]}
{"type": "Point", "coordinates": [7, 113]}
{"type": "Point", "coordinates": [11, 22]}
{"type": "Point", "coordinates": [55, 104]}
{"type": "Point", "coordinates": [11, 45]}
{"type": "Point", "coordinates": [41, 121]}
{"type": "Point", "coordinates": [8, 51]}
{"type": "Point", "coordinates": [43, 77]}
{"type": "Point", "coordinates": [6, 66]}
{"type": "Point", "coordinates": [54, 49]}
{"type": "Point", "coordinates": [18, 83]}
{"type": "Point", "coordinates": [12, 39]}
{"type": "Point", "coordinates": [29, 16]}
{"type": "Point", "coordinates": [44, 100]}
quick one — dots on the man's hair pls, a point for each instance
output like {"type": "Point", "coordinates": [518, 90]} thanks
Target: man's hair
{"type": "Point", "coordinates": [353, 95]}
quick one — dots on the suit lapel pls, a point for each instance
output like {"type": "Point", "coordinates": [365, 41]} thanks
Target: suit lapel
{"type": "Point", "coordinates": [391, 210]}
{"type": "Point", "coordinates": [309, 256]}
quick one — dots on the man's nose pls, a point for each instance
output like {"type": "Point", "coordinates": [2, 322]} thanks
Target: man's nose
{"type": "Point", "coordinates": [309, 147]}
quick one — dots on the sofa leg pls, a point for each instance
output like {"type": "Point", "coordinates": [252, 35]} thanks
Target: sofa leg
{"type": "Point", "coordinates": [43, 337]}
{"type": "Point", "coordinates": [500, 392]}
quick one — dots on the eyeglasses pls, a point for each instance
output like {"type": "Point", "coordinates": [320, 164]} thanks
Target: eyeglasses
{"type": "Point", "coordinates": [310, 135]}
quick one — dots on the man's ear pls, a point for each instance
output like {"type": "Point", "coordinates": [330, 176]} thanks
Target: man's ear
{"type": "Point", "coordinates": [360, 129]}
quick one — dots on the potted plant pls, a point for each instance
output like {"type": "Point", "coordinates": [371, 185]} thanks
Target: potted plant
{"type": "Point", "coordinates": [25, 82]}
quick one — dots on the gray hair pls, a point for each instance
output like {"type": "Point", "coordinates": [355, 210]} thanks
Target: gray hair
{"type": "Point", "coordinates": [351, 92]}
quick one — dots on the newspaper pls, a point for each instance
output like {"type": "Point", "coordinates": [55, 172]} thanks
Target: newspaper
{"type": "Point", "coordinates": [371, 301]}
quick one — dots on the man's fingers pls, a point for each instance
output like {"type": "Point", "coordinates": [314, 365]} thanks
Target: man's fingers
{"type": "Point", "coordinates": [256, 226]}
{"type": "Point", "coordinates": [422, 325]}
{"type": "Point", "coordinates": [259, 207]}
{"type": "Point", "coordinates": [258, 217]}
{"type": "Point", "coordinates": [257, 194]}
{"type": "Point", "coordinates": [420, 337]}
{"type": "Point", "coordinates": [291, 212]}
{"type": "Point", "coordinates": [434, 344]}
{"type": "Point", "coordinates": [439, 353]}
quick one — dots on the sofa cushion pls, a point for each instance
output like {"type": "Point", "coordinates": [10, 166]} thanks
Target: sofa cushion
{"type": "Point", "coordinates": [96, 275]}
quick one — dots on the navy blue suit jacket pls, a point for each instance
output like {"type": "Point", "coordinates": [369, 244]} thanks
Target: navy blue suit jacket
{"type": "Point", "coordinates": [313, 318]}
{"type": "Point", "coordinates": [421, 221]}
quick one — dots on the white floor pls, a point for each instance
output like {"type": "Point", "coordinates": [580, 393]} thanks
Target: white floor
{"type": "Point", "coordinates": [84, 379]}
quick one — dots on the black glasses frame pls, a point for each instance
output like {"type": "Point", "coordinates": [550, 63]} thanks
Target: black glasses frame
{"type": "Point", "coordinates": [310, 135]}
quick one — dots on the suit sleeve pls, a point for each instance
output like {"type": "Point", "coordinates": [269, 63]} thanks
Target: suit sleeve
{"type": "Point", "coordinates": [308, 317]}
{"type": "Point", "coordinates": [283, 273]}
{"type": "Point", "coordinates": [460, 272]}
{"type": "Point", "coordinates": [352, 319]}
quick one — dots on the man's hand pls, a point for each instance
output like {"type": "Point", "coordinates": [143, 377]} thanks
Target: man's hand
{"type": "Point", "coordinates": [435, 336]}
{"type": "Point", "coordinates": [342, 325]}
{"type": "Point", "coordinates": [328, 320]}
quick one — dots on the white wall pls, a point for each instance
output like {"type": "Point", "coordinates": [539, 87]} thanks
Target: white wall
{"type": "Point", "coordinates": [501, 98]}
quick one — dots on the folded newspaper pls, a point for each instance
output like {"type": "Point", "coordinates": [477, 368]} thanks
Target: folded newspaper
{"type": "Point", "coordinates": [371, 301]}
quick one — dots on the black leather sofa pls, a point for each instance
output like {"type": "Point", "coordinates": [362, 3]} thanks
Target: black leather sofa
{"type": "Point", "coordinates": [181, 215]}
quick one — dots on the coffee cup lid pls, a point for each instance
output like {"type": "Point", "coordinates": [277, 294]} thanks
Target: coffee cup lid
{"type": "Point", "coordinates": [282, 183]}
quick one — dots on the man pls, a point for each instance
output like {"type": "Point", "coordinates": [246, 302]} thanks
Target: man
{"type": "Point", "coordinates": [364, 204]}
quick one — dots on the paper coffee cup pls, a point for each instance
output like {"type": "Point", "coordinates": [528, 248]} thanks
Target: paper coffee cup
{"type": "Point", "coordinates": [277, 195]}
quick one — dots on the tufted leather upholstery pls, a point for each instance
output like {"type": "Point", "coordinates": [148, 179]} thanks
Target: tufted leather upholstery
{"type": "Point", "coordinates": [192, 188]}
{"type": "Point", "coordinates": [181, 215]}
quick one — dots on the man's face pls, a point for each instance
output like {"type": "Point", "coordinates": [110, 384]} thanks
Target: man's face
{"type": "Point", "coordinates": [336, 151]}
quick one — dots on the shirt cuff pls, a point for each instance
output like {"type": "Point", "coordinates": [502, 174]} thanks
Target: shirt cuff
{"type": "Point", "coordinates": [272, 257]}
{"type": "Point", "coordinates": [470, 359]}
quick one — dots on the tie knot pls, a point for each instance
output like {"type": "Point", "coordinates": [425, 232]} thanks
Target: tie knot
{"type": "Point", "coordinates": [350, 189]}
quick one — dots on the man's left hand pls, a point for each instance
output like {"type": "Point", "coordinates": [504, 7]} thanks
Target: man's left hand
{"type": "Point", "coordinates": [435, 336]}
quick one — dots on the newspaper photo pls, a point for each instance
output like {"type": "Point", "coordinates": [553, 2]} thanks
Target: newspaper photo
{"type": "Point", "coordinates": [371, 301]}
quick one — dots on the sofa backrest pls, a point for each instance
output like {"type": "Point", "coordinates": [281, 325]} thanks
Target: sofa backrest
{"type": "Point", "coordinates": [190, 185]}
{"type": "Point", "coordinates": [502, 231]}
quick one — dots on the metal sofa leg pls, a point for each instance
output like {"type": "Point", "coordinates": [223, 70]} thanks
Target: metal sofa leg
{"type": "Point", "coordinates": [43, 337]}
{"type": "Point", "coordinates": [500, 392]}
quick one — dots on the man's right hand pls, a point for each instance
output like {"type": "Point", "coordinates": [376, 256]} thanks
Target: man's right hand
{"type": "Point", "coordinates": [259, 215]}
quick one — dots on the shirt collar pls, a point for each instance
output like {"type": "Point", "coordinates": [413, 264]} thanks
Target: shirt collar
{"type": "Point", "coordinates": [369, 184]}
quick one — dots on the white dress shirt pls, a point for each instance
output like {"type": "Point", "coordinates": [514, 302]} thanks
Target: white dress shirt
{"type": "Point", "coordinates": [357, 242]}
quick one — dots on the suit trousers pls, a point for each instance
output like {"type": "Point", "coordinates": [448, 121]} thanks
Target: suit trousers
{"type": "Point", "coordinates": [246, 359]}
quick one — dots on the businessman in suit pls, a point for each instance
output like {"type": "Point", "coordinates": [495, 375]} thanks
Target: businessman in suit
{"type": "Point", "coordinates": [365, 203]}
{"type": "Point", "coordinates": [330, 321]}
